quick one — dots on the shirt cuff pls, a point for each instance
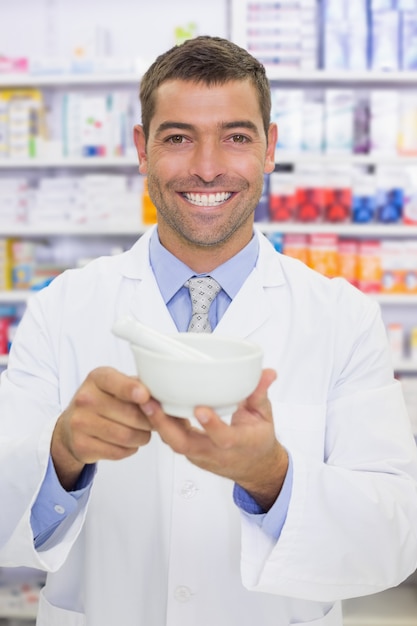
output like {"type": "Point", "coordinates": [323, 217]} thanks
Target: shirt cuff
{"type": "Point", "coordinates": [54, 504]}
{"type": "Point", "coordinates": [273, 521]}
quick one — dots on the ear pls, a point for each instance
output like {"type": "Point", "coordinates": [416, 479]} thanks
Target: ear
{"type": "Point", "coordinates": [140, 143]}
{"type": "Point", "coordinates": [270, 150]}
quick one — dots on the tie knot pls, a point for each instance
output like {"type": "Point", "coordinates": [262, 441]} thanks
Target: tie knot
{"type": "Point", "coordinates": [203, 291]}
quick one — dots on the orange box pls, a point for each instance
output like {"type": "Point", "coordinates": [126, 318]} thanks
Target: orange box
{"type": "Point", "coordinates": [369, 266]}
{"type": "Point", "coordinates": [323, 254]}
{"type": "Point", "coordinates": [296, 246]}
{"type": "Point", "coordinates": [148, 207]}
{"type": "Point", "coordinates": [410, 279]}
{"type": "Point", "coordinates": [393, 259]}
{"type": "Point", "coordinates": [348, 260]}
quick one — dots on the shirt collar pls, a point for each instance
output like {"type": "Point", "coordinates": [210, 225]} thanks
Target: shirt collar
{"type": "Point", "coordinates": [171, 273]}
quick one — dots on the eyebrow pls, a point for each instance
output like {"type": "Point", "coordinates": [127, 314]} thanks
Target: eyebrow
{"type": "Point", "coordinates": [224, 126]}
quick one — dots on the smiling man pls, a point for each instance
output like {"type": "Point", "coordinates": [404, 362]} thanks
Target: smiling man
{"type": "Point", "coordinates": [307, 497]}
{"type": "Point", "coordinates": [205, 155]}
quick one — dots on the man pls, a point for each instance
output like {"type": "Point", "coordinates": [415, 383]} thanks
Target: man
{"type": "Point", "coordinates": [309, 496]}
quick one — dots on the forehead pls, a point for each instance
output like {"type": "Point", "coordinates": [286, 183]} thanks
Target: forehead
{"type": "Point", "coordinates": [187, 100]}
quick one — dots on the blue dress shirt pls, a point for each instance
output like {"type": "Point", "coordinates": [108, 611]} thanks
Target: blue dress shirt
{"type": "Point", "coordinates": [54, 503]}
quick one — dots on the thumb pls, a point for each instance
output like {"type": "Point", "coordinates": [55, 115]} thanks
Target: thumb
{"type": "Point", "coordinates": [258, 400]}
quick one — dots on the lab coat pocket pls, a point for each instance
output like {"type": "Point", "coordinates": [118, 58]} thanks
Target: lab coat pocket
{"type": "Point", "coordinates": [301, 427]}
{"type": "Point", "coordinates": [50, 615]}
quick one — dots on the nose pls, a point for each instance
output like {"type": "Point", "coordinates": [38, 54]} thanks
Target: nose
{"type": "Point", "coordinates": [208, 160]}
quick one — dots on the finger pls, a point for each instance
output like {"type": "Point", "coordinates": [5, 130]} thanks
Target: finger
{"type": "Point", "coordinates": [113, 382]}
{"type": "Point", "coordinates": [93, 437]}
{"type": "Point", "coordinates": [176, 432]}
{"type": "Point", "coordinates": [120, 435]}
{"type": "Point", "coordinates": [93, 449]}
{"type": "Point", "coordinates": [90, 398]}
{"type": "Point", "coordinates": [220, 433]}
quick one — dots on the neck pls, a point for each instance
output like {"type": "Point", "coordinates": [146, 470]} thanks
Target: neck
{"type": "Point", "coordinates": [204, 258]}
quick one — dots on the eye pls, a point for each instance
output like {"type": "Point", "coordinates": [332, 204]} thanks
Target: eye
{"type": "Point", "coordinates": [239, 139]}
{"type": "Point", "coordinates": [176, 139]}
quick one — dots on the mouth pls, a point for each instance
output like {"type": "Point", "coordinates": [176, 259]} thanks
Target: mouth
{"type": "Point", "coordinates": [208, 199]}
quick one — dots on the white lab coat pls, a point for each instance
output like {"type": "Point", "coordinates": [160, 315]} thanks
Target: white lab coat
{"type": "Point", "coordinates": [160, 542]}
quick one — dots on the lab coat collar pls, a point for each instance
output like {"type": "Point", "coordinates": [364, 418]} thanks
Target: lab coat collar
{"type": "Point", "coordinates": [248, 311]}
{"type": "Point", "coordinates": [136, 264]}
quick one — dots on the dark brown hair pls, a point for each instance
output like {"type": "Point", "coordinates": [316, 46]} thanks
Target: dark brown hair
{"type": "Point", "coordinates": [208, 60]}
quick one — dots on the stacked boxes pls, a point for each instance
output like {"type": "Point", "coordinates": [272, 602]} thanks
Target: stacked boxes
{"type": "Point", "coordinates": [336, 194]}
{"type": "Point", "coordinates": [282, 35]}
{"type": "Point", "coordinates": [21, 123]}
{"type": "Point", "coordinates": [382, 121]}
{"type": "Point", "coordinates": [63, 200]}
{"type": "Point", "coordinates": [387, 266]}
{"type": "Point", "coordinates": [68, 124]}
{"type": "Point", "coordinates": [5, 264]}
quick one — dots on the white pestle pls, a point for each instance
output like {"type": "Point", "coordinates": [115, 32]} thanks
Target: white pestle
{"type": "Point", "coordinates": [137, 333]}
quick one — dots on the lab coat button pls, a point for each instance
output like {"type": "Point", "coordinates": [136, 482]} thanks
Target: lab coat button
{"type": "Point", "coordinates": [182, 594]}
{"type": "Point", "coordinates": [188, 490]}
{"type": "Point", "coordinates": [59, 509]}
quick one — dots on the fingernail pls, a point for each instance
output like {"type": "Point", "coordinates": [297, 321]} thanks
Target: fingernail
{"type": "Point", "coordinates": [148, 408]}
{"type": "Point", "coordinates": [202, 416]}
{"type": "Point", "coordinates": [139, 395]}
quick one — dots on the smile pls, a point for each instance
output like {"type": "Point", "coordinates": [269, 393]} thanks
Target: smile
{"type": "Point", "coordinates": [207, 199]}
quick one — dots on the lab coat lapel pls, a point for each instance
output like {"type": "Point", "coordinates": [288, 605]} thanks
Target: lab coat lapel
{"type": "Point", "coordinates": [145, 301]}
{"type": "Point", "coordinates": [248, 310]}
{"type": "Point", "coordinates": [251, 308]}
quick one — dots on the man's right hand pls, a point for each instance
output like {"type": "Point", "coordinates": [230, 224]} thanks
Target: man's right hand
{"type": "Point", "coordinates": [103, 421]}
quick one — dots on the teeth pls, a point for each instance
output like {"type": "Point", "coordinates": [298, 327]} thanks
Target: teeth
{"type": "Point", "coordinates": [210, 199]}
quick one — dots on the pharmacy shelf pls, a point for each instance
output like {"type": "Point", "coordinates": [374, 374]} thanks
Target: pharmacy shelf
{"type": "Point", "coordinates": [405, 366]}
{"type": "Point", "coordinates": [326, 77]}
{"type": "Point", "coordinates": [132, 229]}
{"type": "Point", "coordinates": [394, 607]}
{"type": "Point", "coordinates": [69, 162]}
{"type": "Point", "coordinates": [15, 295]}
{"type": "Point", "coordinates": [64, 80]}
{"type": "Point", "coordinates": [322, 77]}
{"type": "Point", "coordinates": [19, 614]}
{"type": "Point", "coordinates": [343, 158]}
{"type": "Point", "coordinates": [342, 229]}
{"type": "Point", "coordinates": [395, 299]}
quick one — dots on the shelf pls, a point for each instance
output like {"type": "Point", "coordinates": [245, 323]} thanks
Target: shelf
{"type": "Point", "coordinates": [394, 607]}
{"type": "Point", "coordinates": [343, 229]}
{"type": "Point", "coordinates": [366, 78]}
{"type": "Point", "coordinates": [72, 162]}
{"type": "Point", "coordinates": [290, 77]}
{"type": "Point", "coordinates": [395, 299]}
{"type": "Point", "coordinates": [96, 230]}
{"type": "Point", "coordinates": [63, 80]}
{"type": "Point", "coordinates": [405, 367]}
{"type": "Point", "coordinates": [15, 295]}
{"type": "Point", "coordinates": [340, 158]}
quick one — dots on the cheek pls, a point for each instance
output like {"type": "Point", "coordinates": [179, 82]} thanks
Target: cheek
{"type": "Point", "coordinates": [165, 167]}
